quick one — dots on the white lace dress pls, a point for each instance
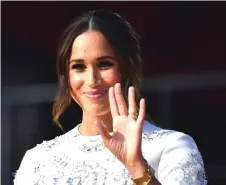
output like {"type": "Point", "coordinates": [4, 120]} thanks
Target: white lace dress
{"type": "Point", "coordinates": [74, 159]}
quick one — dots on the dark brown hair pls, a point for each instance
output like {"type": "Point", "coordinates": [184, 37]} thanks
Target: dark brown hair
{"type": "Point", "coordinates": [123, 39]}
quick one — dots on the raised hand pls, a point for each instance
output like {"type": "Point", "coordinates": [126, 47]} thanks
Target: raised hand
{"type": "Point", "coordinates": [125, 143]}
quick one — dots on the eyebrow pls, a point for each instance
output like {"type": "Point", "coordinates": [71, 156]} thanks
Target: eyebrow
{"type": "Point", "coordinates": [99, 58]}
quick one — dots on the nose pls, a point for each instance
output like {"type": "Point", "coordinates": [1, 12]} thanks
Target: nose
{"type": "Point", "coordinates": [93, 78]}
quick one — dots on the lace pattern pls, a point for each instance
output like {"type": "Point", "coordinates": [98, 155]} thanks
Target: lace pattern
{"type": "Point", "coordinates": [61, 169]}
{"type": "Point", "coordinates": [93, 146]}
{"type": "Point", "coordinates": [191, 171]}
{"type": "Point", "coordinates": [157, 134]}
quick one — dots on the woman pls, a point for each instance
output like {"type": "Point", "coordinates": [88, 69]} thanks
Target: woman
{"type": "Point", "coordinates": [99, 67]}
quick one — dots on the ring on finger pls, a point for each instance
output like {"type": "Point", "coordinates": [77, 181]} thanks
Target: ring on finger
{"type": "Point", "coordinates": [132, 114]}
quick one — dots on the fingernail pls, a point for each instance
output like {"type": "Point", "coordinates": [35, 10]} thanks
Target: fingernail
{"type": "Point", "coordinates": [117, 84]}
{"type": "Point", "coordinates": [99, 123]}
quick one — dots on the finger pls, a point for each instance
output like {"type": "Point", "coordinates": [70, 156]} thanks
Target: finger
{"type": "Point", "coordinates": [113, 103]}
{"type": "Point", "coordinates": [142, 111]}
{"type": "Point", "coordinates": [132, 102]}
{"type": "Point", "coordinates": [122, 108]}
{"type": "Point", "coordinates": [103, 132]}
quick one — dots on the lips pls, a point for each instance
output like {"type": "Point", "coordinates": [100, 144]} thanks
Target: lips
{"type": "Point", "coordinates": [95, 94]}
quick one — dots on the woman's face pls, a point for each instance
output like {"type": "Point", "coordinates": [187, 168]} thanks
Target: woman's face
{"type": "Point", "coordinates": [93, 69]}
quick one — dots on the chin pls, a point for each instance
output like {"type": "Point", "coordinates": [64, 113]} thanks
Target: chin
{"type": "Point", "coordinates": [97, 110]}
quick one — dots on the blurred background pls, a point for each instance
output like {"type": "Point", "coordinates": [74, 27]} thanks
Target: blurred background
{"type": "Point", "coordinates": [184, 75]}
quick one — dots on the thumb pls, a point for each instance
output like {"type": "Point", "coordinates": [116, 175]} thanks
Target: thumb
{"type": "Point", "coordinates": [103, 131]}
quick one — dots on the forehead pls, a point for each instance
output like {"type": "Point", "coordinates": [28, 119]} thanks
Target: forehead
{"type": "Point", "coordinates": [91, 44]}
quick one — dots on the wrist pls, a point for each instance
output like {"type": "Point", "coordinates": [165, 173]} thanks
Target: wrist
{"type": "Point", "coordinates": [142, 174]}
{"type": "Point", "coordinates": [138, 169]}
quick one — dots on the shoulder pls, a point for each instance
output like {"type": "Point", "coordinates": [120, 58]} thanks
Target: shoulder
{"type": "Point", "coordinates": [53, 144]}
{"type": "Point", "coordinates": [168, 137]}
{"type": "Point", "coordinates": [35, 158]}
{"type": "Point", "coordinates": [170, 142]}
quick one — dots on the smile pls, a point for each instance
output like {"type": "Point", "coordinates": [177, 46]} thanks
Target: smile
{"type": "Point", "coordinates": [95, 95]}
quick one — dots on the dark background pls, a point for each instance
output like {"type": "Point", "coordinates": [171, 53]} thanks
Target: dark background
{"type": "Point", "coordinates": [180, 41]}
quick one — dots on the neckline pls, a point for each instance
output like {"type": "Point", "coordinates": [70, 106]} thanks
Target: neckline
{"type": "Point", "coordinates": [77, 133]}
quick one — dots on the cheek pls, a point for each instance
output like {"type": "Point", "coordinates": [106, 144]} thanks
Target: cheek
{"type": "Point", "coordinates": [112, 77]}
{"type": "Point", "coordinates": [75, 81]}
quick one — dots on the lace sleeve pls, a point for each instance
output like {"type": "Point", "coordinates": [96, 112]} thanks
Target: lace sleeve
{"type": "Point", "coordinates": [181, 162]}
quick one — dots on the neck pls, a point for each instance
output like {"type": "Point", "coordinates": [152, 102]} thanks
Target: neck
{"type": "Point", "coordinates": [89, 128]}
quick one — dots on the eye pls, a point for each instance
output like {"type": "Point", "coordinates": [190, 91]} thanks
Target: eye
{"type": "Point", "coordinates": [105, 64]}
{"type": "Point", "coordinates": [78, 67]}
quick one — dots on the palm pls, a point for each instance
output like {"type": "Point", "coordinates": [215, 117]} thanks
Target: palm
{"type": "Point", "coordinates": [125, 143]}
